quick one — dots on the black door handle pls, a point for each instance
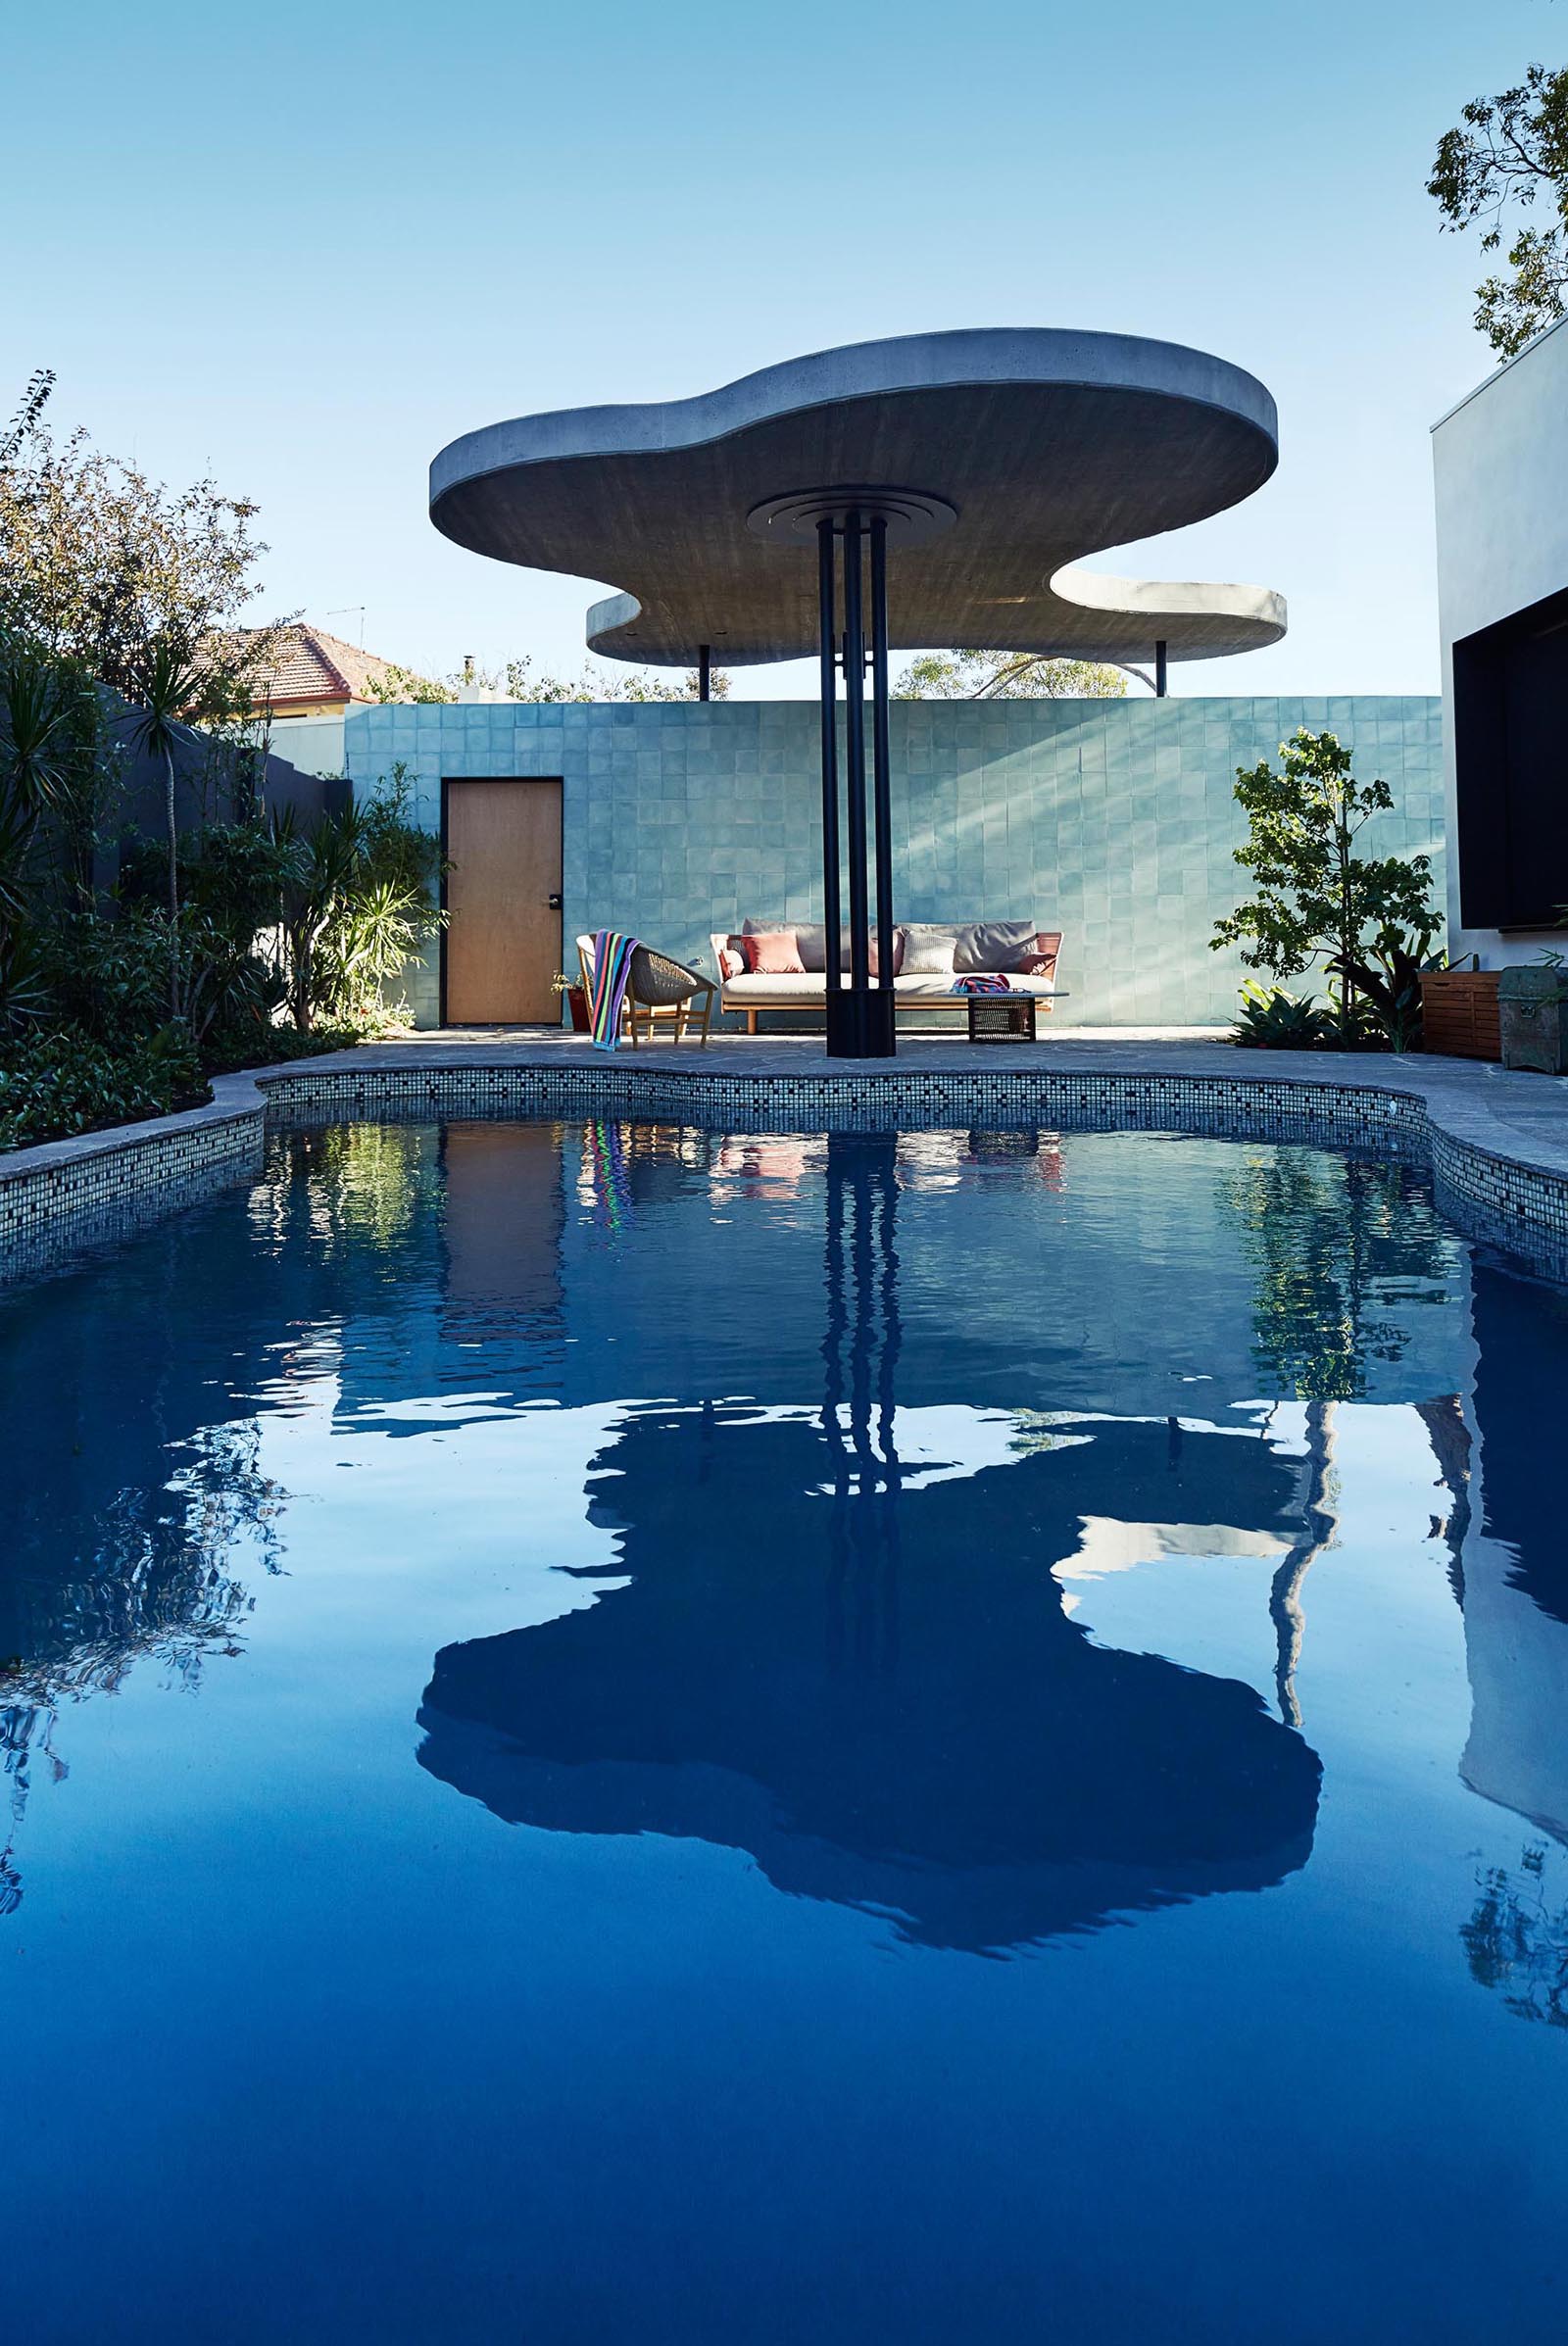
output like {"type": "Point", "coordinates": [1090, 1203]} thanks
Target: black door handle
{"type": "Point", "coordinates": [554, 903]}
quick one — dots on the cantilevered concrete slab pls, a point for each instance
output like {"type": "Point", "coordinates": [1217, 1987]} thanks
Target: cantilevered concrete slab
{"type": "Point", "coordinates": [1047, 446]}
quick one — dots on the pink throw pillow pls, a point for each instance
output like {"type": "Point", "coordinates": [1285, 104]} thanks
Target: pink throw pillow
{"type": "Point", "coordinates": [731, 957]}
{"type": "Point", "coordinates": [898, 954]}
{"type": "Point", "coordinates": [775, 954]}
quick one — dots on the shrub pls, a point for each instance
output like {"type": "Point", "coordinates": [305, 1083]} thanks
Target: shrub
{"type": "Point", "coordinates": [1270, 1019]}
{"type": "Point", "coordinates": [62, 1082]}
{"type": "Point", "coordinates": [1318, 898]}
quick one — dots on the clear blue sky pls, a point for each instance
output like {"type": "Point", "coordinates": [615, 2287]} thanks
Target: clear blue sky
{"type": "Point", "coordinates": [304, 245]}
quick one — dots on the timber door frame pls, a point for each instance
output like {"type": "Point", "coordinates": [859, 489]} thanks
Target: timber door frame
{"type": "Point", "coordinates": [512, 781]}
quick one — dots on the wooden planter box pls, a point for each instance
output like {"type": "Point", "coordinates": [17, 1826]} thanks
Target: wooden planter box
{"type": "Point", "coordinates": [1459, 1014]}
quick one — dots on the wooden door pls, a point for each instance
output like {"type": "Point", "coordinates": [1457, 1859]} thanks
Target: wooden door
{"type": "Point", "coordinates": [503, 942]}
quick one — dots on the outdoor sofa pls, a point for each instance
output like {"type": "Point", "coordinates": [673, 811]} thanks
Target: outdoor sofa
{"type": "Point", "coordinates": [929, 956]}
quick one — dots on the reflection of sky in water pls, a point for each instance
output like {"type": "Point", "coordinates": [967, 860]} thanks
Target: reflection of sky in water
{"type": "Point", "coordinates": [575, 1788]}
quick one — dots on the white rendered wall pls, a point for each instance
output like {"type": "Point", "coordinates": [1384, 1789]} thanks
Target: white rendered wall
{"type": "Point", "coordinates": [314, 744]}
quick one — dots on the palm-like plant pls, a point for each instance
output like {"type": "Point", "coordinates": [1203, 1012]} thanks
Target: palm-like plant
{"type": "Point", "coordinates": [41, 707]}
{"type": "Point", "coordinates": [168, 681]}
{"type": "Point", "coordinates": [320, 874]}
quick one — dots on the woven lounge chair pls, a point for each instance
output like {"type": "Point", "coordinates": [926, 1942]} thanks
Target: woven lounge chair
{"type": "Point", "coordinates": [658, 991]}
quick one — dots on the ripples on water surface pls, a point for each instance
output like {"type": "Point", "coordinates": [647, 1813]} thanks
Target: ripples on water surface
{"type": "Point", "coordinates": [618, 1733]}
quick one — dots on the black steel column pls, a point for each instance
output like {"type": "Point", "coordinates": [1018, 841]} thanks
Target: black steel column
{"type": "Point", "coordinates": [831, 913]}
{"type": "Point", "coordinates": [705, 672]}
{"type": "Point", "coordinates": [855, 752]}
{"type": "Point", "coordinates": [859, 1019]}
{"type": "Point", "coordinates": [881, 755]}
{"type": "Point", "coordinates": [1161, 669]}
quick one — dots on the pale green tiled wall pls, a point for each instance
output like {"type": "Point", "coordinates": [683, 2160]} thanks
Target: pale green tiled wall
{"type": "Point", "coordinates": [1112, 822]}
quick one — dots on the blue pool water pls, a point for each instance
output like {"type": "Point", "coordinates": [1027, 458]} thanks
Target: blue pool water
{"type": "Point", "coordinates": [623, 1733]}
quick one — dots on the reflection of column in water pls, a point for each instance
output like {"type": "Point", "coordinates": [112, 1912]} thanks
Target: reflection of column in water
{"type": "Point", "coordinates": [861, 1267]}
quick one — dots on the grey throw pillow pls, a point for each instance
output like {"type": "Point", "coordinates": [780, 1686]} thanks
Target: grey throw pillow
{"type": "Point", "coordinates": [928, 950]}
{"type": "Point", "coordinates": [994, 944]}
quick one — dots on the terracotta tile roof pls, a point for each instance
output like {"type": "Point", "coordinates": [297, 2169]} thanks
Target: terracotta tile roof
{"type": "Point", "coordinates": [312, 665]}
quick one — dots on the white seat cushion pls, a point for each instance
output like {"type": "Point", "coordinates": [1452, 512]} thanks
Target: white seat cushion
{"type": "Point", "coordinates": [812, 986]}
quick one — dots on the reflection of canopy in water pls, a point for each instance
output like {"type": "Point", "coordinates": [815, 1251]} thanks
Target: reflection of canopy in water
{"type": "Point", "coordinates": [880, 1695]}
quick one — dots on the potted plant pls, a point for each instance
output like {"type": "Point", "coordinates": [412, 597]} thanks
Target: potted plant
{"type": "Point", "coordinates": [576, 994]}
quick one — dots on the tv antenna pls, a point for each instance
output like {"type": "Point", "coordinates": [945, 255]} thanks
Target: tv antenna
{"type": "Point", "coordinates": [345, 610]}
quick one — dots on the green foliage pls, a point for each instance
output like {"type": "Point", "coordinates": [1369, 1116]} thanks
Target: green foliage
{"type": "Point", "coordinates": [62, 1081]}
{"type": "Point", "coordinates": [164, 678]}
{"type": "Point", "coordinates": [1331, 1239]}
{"type": "Point", "coordinates": [1270, 1019]}
{"type": "Point", "coordinates": [600, 681]}
{"type": "Point", "coordinates": [1006, 676]}
{"type": "Point", "coordinates": [1505, 152]}
{"type": "Point", "coordinates": [1387, 981]}
{"type": "Point", "coordinates": [397, 683]}
{"type": "Point", "coordinates": [1516, 1941]}
{"type": "Point", "coordinates": [234, 1041]}
{"type": "Point", "coordinates": [97, 560]}
{"type": "Point", "coordinates": [359, 900]}
{"type": "Point", "coordinates": [48, 740]}
{"type": "Point", "coordinates": [1317, 899]}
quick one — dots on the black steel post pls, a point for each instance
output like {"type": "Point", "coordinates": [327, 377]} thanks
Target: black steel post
{"type": "Point", "coordinates": [881, 755]}
{"type": "Point", "coordinates": [705, 672]}
{"type": "Point", "coordinates": [831, 913]}
{"type": "Point", "coordinates": [1161, 675]}
{"type": "Point", "coordinates": [855, 753]}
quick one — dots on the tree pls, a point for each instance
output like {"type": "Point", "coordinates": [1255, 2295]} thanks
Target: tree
{"type": "Point", "coordinates": [396, 683]}
{"type": "Point", "coordinates": [98, 562]}
{"type": "Point", "coordinates": [1006, 676]}
{"type": "Point", "coordinates": [1504, 154]}
{"type": "Point", "coordinates": [1317, 899]}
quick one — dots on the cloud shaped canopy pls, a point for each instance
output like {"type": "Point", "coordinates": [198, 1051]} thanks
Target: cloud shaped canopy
{"type": "Point", "coordinates": [1052, 445]}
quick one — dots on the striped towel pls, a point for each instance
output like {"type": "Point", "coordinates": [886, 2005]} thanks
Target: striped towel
{"type": "Point", "coordinates": [608, 1180]}
{"type": "Point", "coordinates": [981, 985]}
{"type": "Point", "coordinates": [612, 954]}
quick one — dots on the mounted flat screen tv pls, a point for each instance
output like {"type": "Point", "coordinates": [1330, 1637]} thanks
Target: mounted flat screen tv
{"type": "Point", "coordinates": [1510, 746]}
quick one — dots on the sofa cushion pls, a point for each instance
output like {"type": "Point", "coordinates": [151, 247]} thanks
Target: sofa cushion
{"type": "Point", "coordinates": [992, 946]}
{"type": "Point", "coordinates": [808, 986]}
{"type": "Point", "coordinates": [773, 952]}
{"type": "Point", "coordinates": [928, 950]}
{"type": "Point", "coordinates": [731, 957]}
{"type": "Point", "coordinates": [810, 937]}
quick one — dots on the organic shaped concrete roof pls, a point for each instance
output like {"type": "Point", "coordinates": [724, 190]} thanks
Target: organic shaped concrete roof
{"type": "Point", "coordinates": [1049, 445]}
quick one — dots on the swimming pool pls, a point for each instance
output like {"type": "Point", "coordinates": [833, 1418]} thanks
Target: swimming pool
{"type": "Point", "coordinates": [618, 1731]}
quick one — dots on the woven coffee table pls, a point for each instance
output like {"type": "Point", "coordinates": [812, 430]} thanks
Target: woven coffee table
{"type": "Point", "coordinates": [1004, 1017]}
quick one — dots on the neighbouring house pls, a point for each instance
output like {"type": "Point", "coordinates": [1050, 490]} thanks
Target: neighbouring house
{"type": "Point", "coordinates": [317, 681]}
{"type": "Point", "coordinates": [1502, 599]}
{"type": "Point", "coordinates": [317, 676]}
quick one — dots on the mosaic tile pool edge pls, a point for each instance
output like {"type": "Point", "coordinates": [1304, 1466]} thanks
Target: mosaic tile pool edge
{"type": "Point", "coordinates": [89, 1193]}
